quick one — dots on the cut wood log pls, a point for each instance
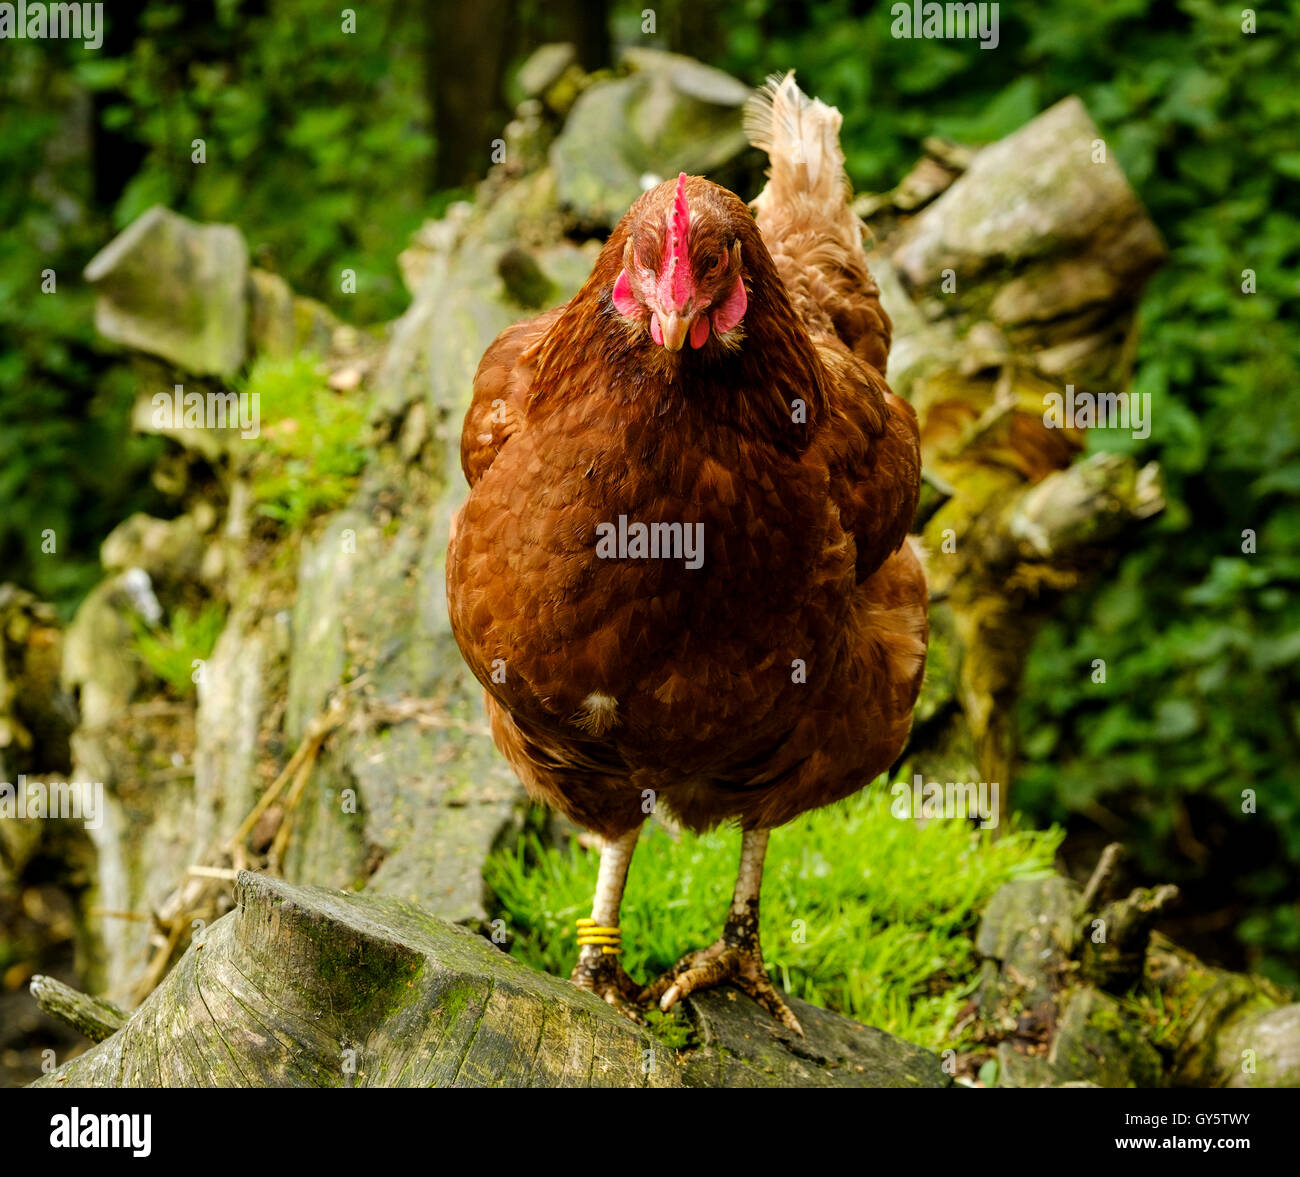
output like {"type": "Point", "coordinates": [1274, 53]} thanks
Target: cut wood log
{"type": "Point", "coordinates": [303, 986]}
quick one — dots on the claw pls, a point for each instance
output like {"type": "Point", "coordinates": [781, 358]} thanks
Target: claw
{"type": "Point", "coordinates": [713, 965]}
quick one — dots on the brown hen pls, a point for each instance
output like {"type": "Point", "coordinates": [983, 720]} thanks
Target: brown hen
{"type": "Point", "coordinates": [681, 573]}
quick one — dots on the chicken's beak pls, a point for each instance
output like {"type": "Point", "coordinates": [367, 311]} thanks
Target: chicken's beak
{"type": "Point", "coordinates": [675, 329]}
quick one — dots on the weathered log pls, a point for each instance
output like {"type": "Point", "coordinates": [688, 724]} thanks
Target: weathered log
{"type": "Point", "coordinates": [1011, 273]}
{"type": "Point", "coordinates": [1070, 991]}
{"type": "Point", "coordinates": [1115, 960]}
{"type": "Point", "coordinates": [1237, 1031]}
{"type": "Point", "coordinates": [302, 986]}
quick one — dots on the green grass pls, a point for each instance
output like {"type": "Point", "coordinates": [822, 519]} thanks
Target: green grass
{"type": "Point", "coordinates": [862, 912]}
{"type": "Point", "coordinates": [311, 447]}
{"type": "Point", "coordinates": [170, 650]}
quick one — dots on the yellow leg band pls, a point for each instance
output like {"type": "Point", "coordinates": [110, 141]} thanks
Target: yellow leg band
{"type": "Point", "coordinates": [591, 934]}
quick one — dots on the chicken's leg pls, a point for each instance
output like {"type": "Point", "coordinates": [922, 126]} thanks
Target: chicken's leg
{"type": "Point", "coordinates": [598, 969]}
{"type": "Point", "coordinates": [737, 957]}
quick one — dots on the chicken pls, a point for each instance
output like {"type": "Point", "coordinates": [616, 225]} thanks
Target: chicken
{"type": "Point", "coordinates": [681, 573]}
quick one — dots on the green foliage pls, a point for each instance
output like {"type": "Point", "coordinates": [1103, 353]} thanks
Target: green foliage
{"type": "Point", "coordinates": [1200, 627]}
{"type": "Point", "coordinates": [309, 452]}
{"type": "Point", "coordinates": [169, 650]}
{"type": "Point", "coordinates": [68, 465]}
{"type": "Point", "coordinates": [862, 912]}
{"type": "Point", "coordinates": [316, 148]}
{"type": "Point", "coordinates": [314, 139]}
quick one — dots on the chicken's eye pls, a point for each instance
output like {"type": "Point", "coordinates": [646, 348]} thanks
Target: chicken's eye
{"type": "Point", "coordinates": [709, 262]}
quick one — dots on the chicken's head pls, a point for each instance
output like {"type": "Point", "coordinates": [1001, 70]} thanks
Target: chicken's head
{"type": "Point", "coordinates": [681, 277]}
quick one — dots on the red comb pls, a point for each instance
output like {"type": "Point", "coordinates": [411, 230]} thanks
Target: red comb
{"type": "Point", "coordinates": [677, 270]}
{"type": "Point", "coordinates": [681, 213]}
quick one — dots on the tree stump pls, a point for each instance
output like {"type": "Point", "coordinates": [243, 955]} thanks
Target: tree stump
{"type": "Point", "coordinates": [306, 987]}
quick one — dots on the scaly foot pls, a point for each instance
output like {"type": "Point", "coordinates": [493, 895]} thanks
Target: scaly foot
{"type": "Point", "coordinates": [730, 959]}
{"type": "Point", "coordinates": [605, 976]}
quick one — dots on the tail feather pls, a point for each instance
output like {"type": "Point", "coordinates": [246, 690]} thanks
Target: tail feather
{"type": "Point", "coordinates": [801, 136]}
{"type": "Point", "coordinates": [806, 216]}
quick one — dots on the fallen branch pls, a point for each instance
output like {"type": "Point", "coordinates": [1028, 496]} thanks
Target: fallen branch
{"type": "Point", "coordinates": [92, 1016]}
